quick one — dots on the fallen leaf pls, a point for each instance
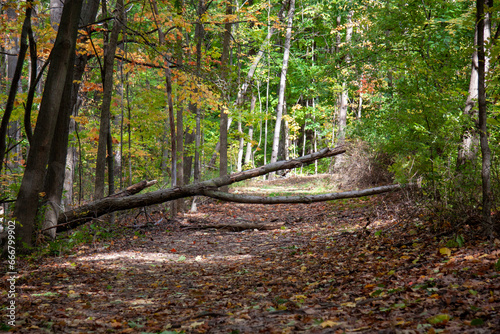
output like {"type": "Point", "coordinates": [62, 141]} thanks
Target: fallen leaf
{"type": "Point", "coordinates": [330, 323]}
{"type": "Point", "coordinates": [439, 319]}
{"type": "Point", "coordinates": [445, 251]}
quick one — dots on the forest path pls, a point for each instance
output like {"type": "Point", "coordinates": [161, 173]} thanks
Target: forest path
{"type": "Point", "coordinates": [322, 272]}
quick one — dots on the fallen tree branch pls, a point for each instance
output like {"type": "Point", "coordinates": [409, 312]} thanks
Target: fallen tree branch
{"type": "Point", "coordinates": [78, 216]}
{"type": "Point", "coordinates": [236, 227]}
{"type": "Point", "coordinates": [299, 199]}
{"type": "Point", "coordinates": [134, 189]}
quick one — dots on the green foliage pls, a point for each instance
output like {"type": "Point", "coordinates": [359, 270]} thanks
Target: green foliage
{"type": "Point", "coordinates": [407, 69]}
{"type": "Point", "coordinates": [497, 265]}
{"type": "Point", "coordinates": [457, 241]}
{"type": "Point", "coordinates": [87, 234]}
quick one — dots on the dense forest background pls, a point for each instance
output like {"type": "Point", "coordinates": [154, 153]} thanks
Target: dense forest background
{"type": "Point", "coordinates": [96, 96]}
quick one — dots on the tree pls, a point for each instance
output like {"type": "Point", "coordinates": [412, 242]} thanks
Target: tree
{"type": "Point", "coordinates": [482, 126]}
{"type": "Point", "coordinates": [467, 151]}
{"type": "Point", "coordinates": [343, 103]}
{"type": "Point", "coordinates": [15, 82]}
{"type": "Point", "coordinates": [62, 60]}
{"type": "Point", "coordinates": [56, 171]}
{"type": "Point", "coordinates": [105, 142]}
{"type": "Point", "coordinates": [225, 91]}
{"type": "Point", "coordinates": [282, 86]}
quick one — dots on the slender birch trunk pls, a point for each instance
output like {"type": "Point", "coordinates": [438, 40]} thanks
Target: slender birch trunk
{"type": "Point", "coordinates": [344, 95]}
{"type": "Point", "coordinates": [281, 93]}
{"type": "Point", "coordinates": [248, 155]}
{"type": "Point", "coordinates": [482, 124]}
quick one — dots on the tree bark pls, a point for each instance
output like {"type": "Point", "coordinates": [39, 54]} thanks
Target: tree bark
{"type": "Point", "coordinates": [344, 95]}
{"type": "Point", "coordinates": [467, 151]}
{"type": "Point", "coordinates": [248, 155]}
{"type": "Point", "coordinates": [32, 183]}
{"type": "Point", "coordinates": [241, 145]}
{"type": "Point", "coordinates": [198, 36]}
{"type": "Point", "coordinates": [244, 87]}
{"type": "Point", "coordinates": [134, 189]}
{"type": "Point", "coordinates": [281, 93]}
{"type": "Point", "coordinates": [9, 106]}
{"type": "Point", "coordinates": [482, 126]}
{"type": "Point", "coordinates": [223, 109]}
{"type": "Point", "coordinates": [299, 199]}
{"type": "Point", "coordinates": [95, 209]}
{"type": "Point", "coordinates": [105, 124]}
{"type": "Point", "coordinates": [170, 102]}
{"type": "Point", "coordinates": [56, 9]}
{"type": "Point", "coordinates": [54, 180]}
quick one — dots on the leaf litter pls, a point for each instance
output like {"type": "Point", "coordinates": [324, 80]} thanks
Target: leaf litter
{"type": "Point", "coordinates": [353, 266]}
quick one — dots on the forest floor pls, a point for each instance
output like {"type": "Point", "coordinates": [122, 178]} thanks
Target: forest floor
{"type": "Point", "coordinates": [367, 265]}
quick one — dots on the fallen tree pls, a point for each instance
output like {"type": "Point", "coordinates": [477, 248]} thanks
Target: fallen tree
{"type": "Point", "coordinates": [78, 216]}
{"type": "Point", "coordinates": [301, 198]}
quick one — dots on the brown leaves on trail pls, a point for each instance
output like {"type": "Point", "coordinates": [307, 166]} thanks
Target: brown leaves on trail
{"type": "Point", "coordinates": [349, 266]}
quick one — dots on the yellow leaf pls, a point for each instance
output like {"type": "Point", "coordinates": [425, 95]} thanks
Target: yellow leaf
{"type": "Point", "coordinates": [361, 329]}
{"type": "Point", "coordinates": [329, 323]}
{"type": "Point", "coordinates": [296, 297]}
{"type": "Point", "coordinates": [439, 319]}
{"type": "Point", "coordinates": [348, 304]}
{"type": "Point", "coordinates": [445, 251]}
{"type": "Point", "coordinates": [196, 324]}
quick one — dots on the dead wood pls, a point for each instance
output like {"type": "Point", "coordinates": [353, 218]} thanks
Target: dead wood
{"type": "Point", "coordinates": [78, 216]}
{"type": "Point", "coordinates": [302, 198]}
{"type": "Point", "coordinates": [237, 226]}
{"type": "Point", "coordinates": [134, 189]}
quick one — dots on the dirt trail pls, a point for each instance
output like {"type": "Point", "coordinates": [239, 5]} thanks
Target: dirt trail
{"type": "Point", "coordinates": [322, 272]}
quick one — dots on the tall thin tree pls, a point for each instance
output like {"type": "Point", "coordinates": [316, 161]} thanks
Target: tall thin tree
{"type": "Point", "coordinates": [282, 86]}
{"type": "Point", "coordinates": [225, 91]}
{"type": "Point", "coordinates": [105, 142]}
{"type": "Point", "coordinates": [482, 126]}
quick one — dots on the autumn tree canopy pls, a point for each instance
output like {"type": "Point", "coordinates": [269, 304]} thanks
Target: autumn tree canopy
{"type": "Point", "coordinates": [97, 96]}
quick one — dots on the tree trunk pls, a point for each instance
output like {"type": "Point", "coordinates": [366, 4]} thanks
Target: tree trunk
{"type": "Point", "coordinates": [105, 125]}
{"type": "Point", "coordinates": [244, 87]}
{"type": "Point", "coordinates": [467, 150]}
{"type": "Point", "coordinates": [482, 124]}
{"type": "Point", "coordinates": [223, 110]}
{"type": "Point", "coordinates": [286, 136]}
{"type": "Point", "coordinates": [199, 33]}
{"type": "Point", "coordinates": [344, 95]}
{"type": "Point", "coordinates": [241, 145]}
{"type": "Point", "coordinates": [281, 92]}
{"type": "Point", "coordinates": [248, 155]}
{"type": "Point", "coordinates": [56, 9]}
{"type": "Point", "coordinates": [54, 180]}
{"type": "Point", "coordinates": [180, 152]}
{"type": "Point", "coordinates": [32, 183]}
{"type": "Point", "coordinates": [170, 102]}
{"type": "Point", "coordinates": [14, 84]}
{"type": "Point", "coordinates": [299, 199]}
